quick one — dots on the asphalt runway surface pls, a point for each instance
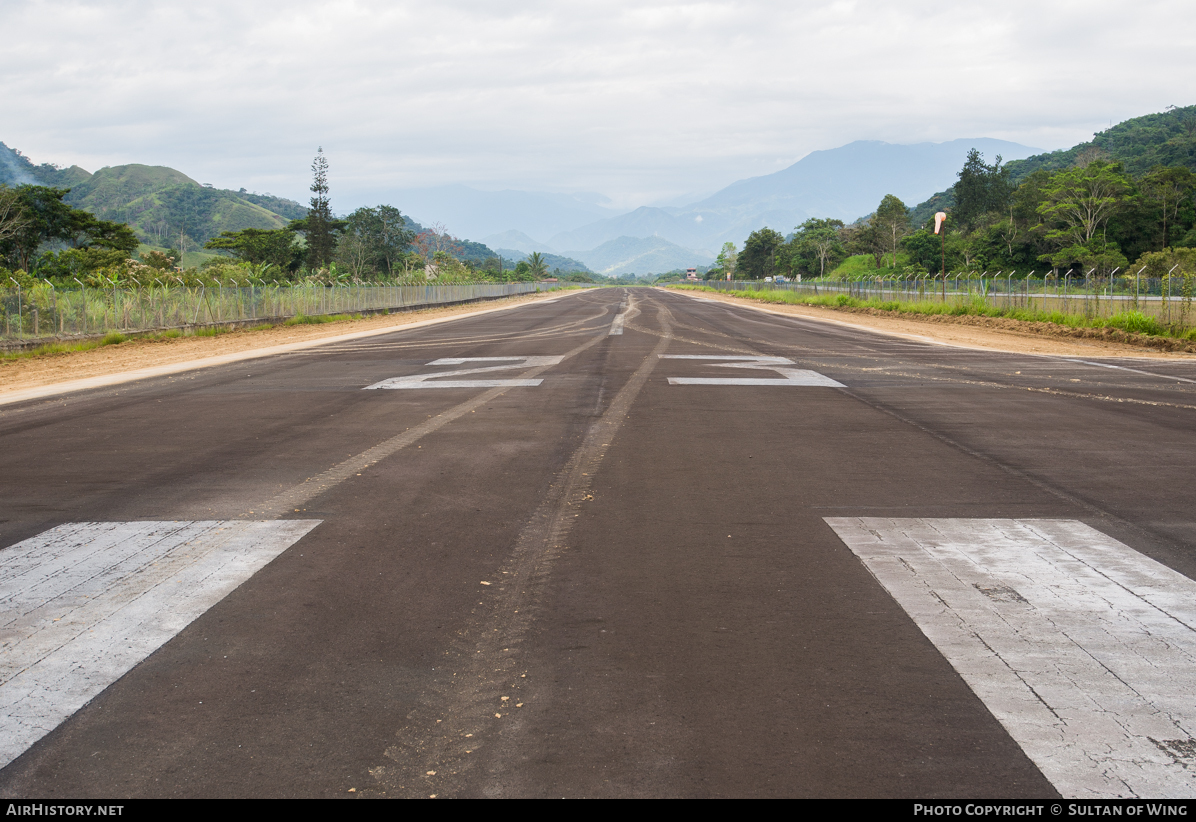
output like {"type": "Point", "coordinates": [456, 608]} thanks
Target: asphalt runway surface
{"type": "Point", "coordinates": [620, 543]}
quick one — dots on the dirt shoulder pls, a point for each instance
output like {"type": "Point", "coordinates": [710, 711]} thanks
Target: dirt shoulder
{"type": "Point", "coordinates": [48, 374]}
{"type": "Point", "coordinates": [993, 333]}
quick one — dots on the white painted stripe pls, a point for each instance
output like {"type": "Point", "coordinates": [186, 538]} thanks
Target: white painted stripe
{"type": "Point", "coordinates": [422, 380]}
{"type": "Point", "coordinates": [789, 376]}
{"type": "Point", "coordinates": [82, 603]}
{"type": "Point", "coordinates": [734, 358]}
{"type": "Point", "coordinates": [1083, 649]}
{"type": "Point", "coordinates": [1135, 371]}
{"type": "Point", "coordinates": [616, 327]}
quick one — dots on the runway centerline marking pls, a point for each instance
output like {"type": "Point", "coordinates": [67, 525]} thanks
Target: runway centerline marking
{"type": "Point", "coordinates": [789, 376]}
{"type": "Point", "coordinates": [507, 364]}
{"type": "Point", "coordinates": [1081, 647]}
{"type": "Point", "coordinates": [86, 601]}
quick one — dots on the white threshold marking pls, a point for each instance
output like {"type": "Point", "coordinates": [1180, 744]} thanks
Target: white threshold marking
{"type": "Point", "coordinates": [508, 363]}
{"type": "Point", "coordinates": [789, 376]}
{"type": "Point", "coordinates": [1082, 648]}
{"type": "Point", "coordinates": [83, 603]}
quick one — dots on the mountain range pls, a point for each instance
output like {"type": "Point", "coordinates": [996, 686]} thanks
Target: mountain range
{"type": "Point", "coordinates": [844, 183]}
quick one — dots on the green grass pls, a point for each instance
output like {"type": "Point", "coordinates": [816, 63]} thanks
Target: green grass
{"type": "Point", "coordinates": [112, 338]}
{"type": "Point", "coordinates": [863, 266]}
{"type": "Point", "coordinates": [1133, 322]}
{"type": "Point", "coordinates": [308, 319]}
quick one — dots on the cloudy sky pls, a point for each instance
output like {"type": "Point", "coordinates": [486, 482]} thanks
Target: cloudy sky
{"type": "Point", "coordinates": [642, 101]}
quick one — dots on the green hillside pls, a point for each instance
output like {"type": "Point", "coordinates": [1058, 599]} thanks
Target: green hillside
{"type": "Point", "coordinates": [164, 206]}
{"type": "Point", "coordinates": [1139, 144]}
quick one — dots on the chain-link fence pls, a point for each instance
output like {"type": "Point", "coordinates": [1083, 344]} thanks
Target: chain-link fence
{"type": "Point", "coordinates": [44, 311]}
{"type": "Point", "coordinates": [1167, 299]}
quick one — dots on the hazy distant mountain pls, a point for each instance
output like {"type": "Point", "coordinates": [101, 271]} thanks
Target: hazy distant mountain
{"type": "Point", "coordinates": [640, 255]}
{"type": "Point", "coordinates": [468, 212]}
{"type": "Point", "coordinates": [845, 183]}
{"type": "Point", "coordinates": [515, 240]}
{"type": "Point", "coordinates": [567, 265]}
{"type": "Point", "coordinates": [645, 221]}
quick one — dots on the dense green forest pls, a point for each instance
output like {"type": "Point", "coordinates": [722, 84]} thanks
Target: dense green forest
{"type": "Point", "coordinates": [1122, 202]}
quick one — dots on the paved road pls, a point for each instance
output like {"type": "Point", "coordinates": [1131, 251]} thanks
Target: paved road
{"type": "Point", "coordinates": [620, 543]}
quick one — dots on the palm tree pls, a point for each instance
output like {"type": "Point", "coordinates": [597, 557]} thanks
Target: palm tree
{"type": "Point", "coordinates": [538, 266]}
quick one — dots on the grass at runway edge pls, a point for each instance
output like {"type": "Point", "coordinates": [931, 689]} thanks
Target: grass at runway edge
{"type": "Point", "coordinates": [1134, 326]}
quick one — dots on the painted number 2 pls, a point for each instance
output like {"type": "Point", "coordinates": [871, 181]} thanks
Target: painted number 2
{"type": "Point", "coordinates": [789, 376]}
{"type": "Point", "coordinates": [437, 379]}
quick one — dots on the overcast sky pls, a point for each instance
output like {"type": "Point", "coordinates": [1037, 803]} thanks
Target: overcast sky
{"type": "Point", "coordinates": [637, 100]}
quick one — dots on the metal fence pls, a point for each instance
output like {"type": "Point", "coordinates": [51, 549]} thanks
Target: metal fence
{"type": "Point", "coordinates": [44, 311]}
{"type": "Point", "coordinates": [1167, 299]}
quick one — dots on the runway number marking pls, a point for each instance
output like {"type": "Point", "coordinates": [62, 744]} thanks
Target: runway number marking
{"type": "Point", "coordinates": [1082, 648]}
{"type": "Point", "coordinates": [83, 603]}
{"type": "Point", "coordinates": [505, 364]}
{"type": "Point", "coordinates": [789, 376]}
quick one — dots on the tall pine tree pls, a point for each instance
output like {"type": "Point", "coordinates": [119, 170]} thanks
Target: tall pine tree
{"type": "Point", "coordinates": [320, 225]}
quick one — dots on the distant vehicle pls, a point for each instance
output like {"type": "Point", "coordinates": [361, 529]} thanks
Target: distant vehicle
{"type": "Point", "coordinates": [768, 279]}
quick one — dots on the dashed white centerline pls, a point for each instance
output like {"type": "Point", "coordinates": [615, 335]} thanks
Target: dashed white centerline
{"type": "Point", "coordinates": [1082, 648]}
{"type": "Point", "coordinates": [83, 603]}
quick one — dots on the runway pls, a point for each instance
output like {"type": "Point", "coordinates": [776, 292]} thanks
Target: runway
{"type": "Point", "coordinates": [626, 542]}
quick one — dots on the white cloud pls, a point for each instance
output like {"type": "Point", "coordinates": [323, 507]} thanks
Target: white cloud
{"type": "Point", "coordinates": [640, 100]}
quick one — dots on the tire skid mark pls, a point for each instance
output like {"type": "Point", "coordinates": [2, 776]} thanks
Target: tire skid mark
{"type": "Point", "coordinates": [479, 701]}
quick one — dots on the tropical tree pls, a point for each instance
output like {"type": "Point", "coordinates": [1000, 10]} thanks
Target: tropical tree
{"type": "Point", "coordinates": [1078, 202]}
{"type": "Point", "coordinates": [374, 241]}
{"type": "Point", "coordinates": [759, 256]}
{"type": "Point", "coordinates": [257, 246]}
{"type": "Point", "coordinates": [981, 191]}
{"type": "Point", "coordinates": [865, 237]}
{"type": "Point", "coordinates": [892, 223]}
{"type": "Point", "coordinates": [1167, 187]}
{"type": "Point", "coordinates": [536, 265]}
{"type": "Point", "coordinates": [817, 245]}
{"type": "Point", "coordinates": [727, 259]}
{"type": "Point", "coordinates": [42, 217]}
{"type": "Point", "coordinates": [12, 219]}
{"type": "Point", "coordinates": [1076, 207]}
